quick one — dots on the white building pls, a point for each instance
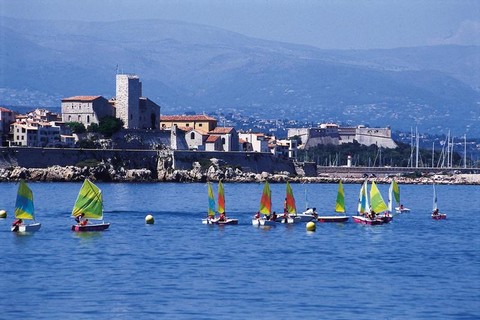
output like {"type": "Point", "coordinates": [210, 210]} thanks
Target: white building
{"type": "Point", "coordinates": [35, 134]}
{"type": "Point", "coordinates": [257, 141]}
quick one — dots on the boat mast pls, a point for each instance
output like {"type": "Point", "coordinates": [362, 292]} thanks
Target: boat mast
{"type": "Point", "coordinates": [417, 142]}
{"type": "Point", "coordinates": [465, 151]}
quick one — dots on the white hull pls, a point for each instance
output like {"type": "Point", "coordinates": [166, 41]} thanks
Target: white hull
{"type": "Point", "coordinates": [263, 222]}
{"type": "Point", "coordinates": [27, 227]}
{"type": "Point", "coordinates": [398, 210]}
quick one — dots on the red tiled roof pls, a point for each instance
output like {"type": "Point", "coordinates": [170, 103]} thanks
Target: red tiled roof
{"type": "Point", "coordinates": [222, 130]}
{"type": "Point", "coordinates": [2, 109]}
{"type": "Point", "coordinates": [81, 98]}
{"type": "Point", "coordinates": [212, 138]}
{"type": "Point", "coordinates": [187, 118]}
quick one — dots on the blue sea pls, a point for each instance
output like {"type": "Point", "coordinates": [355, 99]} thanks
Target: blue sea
{"type": "Point", "coordinates": [412, 268]}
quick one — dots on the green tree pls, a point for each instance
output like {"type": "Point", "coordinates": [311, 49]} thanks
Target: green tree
{"type": "Point", "coordinates": [94, 127]}
{"type": "Point", "coordinates": [109, 125]}
{"type": "Point", "coordinates": [76, 127]}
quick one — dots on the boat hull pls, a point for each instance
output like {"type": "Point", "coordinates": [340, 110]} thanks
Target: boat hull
{"type": "Point", "coordinates": [226, 222]}
{"type": "Point", "coordinates": [27, 227]}
{"type": "Point", "coordinates": [263, 222]}
{"type": "Point", "coordinates": [368, 221]}
{"type": "Point", "coordinates": [332, 218]}
{"type": "Point", "coordinates": [91, 227]}
{"type": "Point", "coordinates": [440, 216]}
{"type": "Point", "coordinates": [403, 210]}
{"type": "Point", "coordinates": [304, 217]}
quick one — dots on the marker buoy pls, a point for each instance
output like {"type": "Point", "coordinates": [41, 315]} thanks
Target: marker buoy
{"type": "Point", "coordinates": [3, 214]}
{"type": "Point", "coordinates": [311, 226]}
{"type": "Point", "coordinates": [149, 219]}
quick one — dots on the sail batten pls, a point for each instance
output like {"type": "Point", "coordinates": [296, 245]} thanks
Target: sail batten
{"type": "Point", "coordinates": [24, 208]}
{"type": "Point", "coordinates": [89, 202]}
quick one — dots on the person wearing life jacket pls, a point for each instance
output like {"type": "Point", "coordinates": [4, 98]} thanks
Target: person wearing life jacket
{"type": "Point", "coordinates": [222, 217]}
{"type": "Point", "coordinates": [80, 219]}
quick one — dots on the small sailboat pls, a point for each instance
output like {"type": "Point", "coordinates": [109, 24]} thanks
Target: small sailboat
{"type": "Point", "coordinates": [89, 204]}
{"type": "Point", "coordinates": [395, 190]}
{"type": "Point", "coordinates": [223, 219]}
{"type": "Point", "coordinates": [436, 215]}
{"type": "Point", "coordinates": [339, 208]}
{"type": "Point", "coordinates": [265, 208]}
{"type": "Point", "coordinates": [290, 208]}
{"type": "Point", "coordinates": [24, 210]}
{"type": "Point", "coordinates": [378, 205]}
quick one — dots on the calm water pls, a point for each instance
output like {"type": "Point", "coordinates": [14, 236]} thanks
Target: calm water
{"type": "Point", "coordinates": [178, 268]}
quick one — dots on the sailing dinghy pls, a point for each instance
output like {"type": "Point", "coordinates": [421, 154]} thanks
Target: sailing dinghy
{"type": "Point", "coordinates": [436, 215]}
{"type": "Point", "coordinates": [24, 210]}
{"type": "Point", "coordinates": [265, 208]}
{"type": "Point", "coordinates": [90, 203]}
{"type": "Point", "coordinates": [339, 208]}
{"type": "Point", "coordinates": [363, 206]}
{"type": "Point", "coordinates": [395, 190]}
{"type": "Point", "coordinates": [290, 209]}
{"type": "Point", "coordinates": [223, 220]}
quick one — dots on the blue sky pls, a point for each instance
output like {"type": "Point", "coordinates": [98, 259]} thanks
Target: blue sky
{"type": "Point", "coordinates": [329, 24]}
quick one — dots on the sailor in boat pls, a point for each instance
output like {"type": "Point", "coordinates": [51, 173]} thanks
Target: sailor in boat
{"type": "Point", "coordinates": [285, 217]}
{"type": "Point", "coordinates": [435, 212]}
{"type": "Point", "coordinates": [372, 214]}
{"type": "Point", "coordinates": [222, 217]}
{"type": "Point", "coordinates": [80, 219]}
{"type": "Point", "coordinates": [401, 207]}
{"type": "Point", "coordinates": [273, 217]}
{"type": "Point", "coordinates": [16, 224]}
{"type": "Point", "coordinates": [285, 209]}
{"type": "Point", "coordinates": [257, 215]}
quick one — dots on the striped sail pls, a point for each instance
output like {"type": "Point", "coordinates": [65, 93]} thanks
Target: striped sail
{"type": "Point", "coordinates": [396, 191]}
{"type": "Point", "coordinates": [290, 200]}
{"type": "Point", "coordinates": [89, 202]}
{"type": "Point", "coordinates": [340, 203]}
{"type": "Point", "coordinates": [221, 198]}
{"type": "Point", "coordinates": [378, 205]}
{"type": "Point", "coordinates": [24, 208]}
{"type": "Point", "coordinates": [211, 200]}
{"type": "Point", "coordinates": [266, 200]}
{"type": "Point", "coordinates": [363, 199]}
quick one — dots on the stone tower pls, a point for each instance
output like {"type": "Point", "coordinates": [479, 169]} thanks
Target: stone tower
{"type": "Point", "coordinates": [129, 91]}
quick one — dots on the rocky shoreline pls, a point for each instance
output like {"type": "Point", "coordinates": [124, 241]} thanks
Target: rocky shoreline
{"type": "Point", "coordinates": [106, 172]}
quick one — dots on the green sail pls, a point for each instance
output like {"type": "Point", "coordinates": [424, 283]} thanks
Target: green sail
{"type": "Point", "coordinates": [89, 202]}
{"type": "Point", "coordinates": [340, 204]}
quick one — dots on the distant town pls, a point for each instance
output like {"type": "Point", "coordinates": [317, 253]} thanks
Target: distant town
{"type": "Point", "coordinates": [131, 121]}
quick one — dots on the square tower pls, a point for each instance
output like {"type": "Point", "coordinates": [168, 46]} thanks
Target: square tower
{"type": "Point", "coordinates": [127, 104]}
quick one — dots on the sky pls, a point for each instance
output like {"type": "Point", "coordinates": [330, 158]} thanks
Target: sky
{"type": "Point", "coordinates": [326, 24]}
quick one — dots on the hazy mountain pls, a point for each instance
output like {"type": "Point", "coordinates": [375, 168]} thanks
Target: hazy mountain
{"type": "Point", "coordinates": [187, 67]}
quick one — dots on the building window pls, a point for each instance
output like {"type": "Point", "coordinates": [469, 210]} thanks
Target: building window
{"type": "Point", "coordinates": [223, 140]}
{"type": "Point", "coordinates": [79, 118]}
{"type": "Point", "coordinates": [88, 119]}
{"type": "Point", "coordinates": [192, 135]}
{"type": "Point", "coordinates": [200, 124]}
{"type": "Point", "coordinates": [188, 125]}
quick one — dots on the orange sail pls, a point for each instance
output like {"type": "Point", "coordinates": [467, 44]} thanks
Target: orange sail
{"type": "Point", "coordinates": [266, 200]}
{"type": "Point", "coordinates": [221, 198]}
{"type": "Point", "coordinates": [290, 200]}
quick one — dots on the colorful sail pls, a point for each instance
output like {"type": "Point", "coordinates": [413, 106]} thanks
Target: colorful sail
{"type": "Point", "coordinates": [390, 197]}
{"type": "Point", "coordinates": [340, 204]}
{"type": "Point", "coordinates": [363, 200]}
{"type": "Point", "coordinates": [211, 200]}
{"type": "Point", "coordinates": [89, 202]}
{"type": "Point", "coordinates": [290, 200]}
{"type": "Point", "coordinates": [378, 205]}
{"type": "Point", "coordinates": [221, 198]}
{"type": "Point", "coordinates": [396, 191]}
{"type": "Point", "coordinates": [24, 208]}
{"type": "Point", "coordinates": [266, 200]}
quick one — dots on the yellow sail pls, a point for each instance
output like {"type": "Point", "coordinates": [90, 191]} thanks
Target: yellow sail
{"type": "Point", "coordinates": [376, 200]}
{"type": "Point", "coordinates": [89, 202]}
{"type": "Point", "coordinates": [24, 205]}
{"type": "Point", "coordinates": [340, 204]}
{"type": "Point", "coordinates": [266, 200]}
{"type": "Point", "coordinates": [290, 200]}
